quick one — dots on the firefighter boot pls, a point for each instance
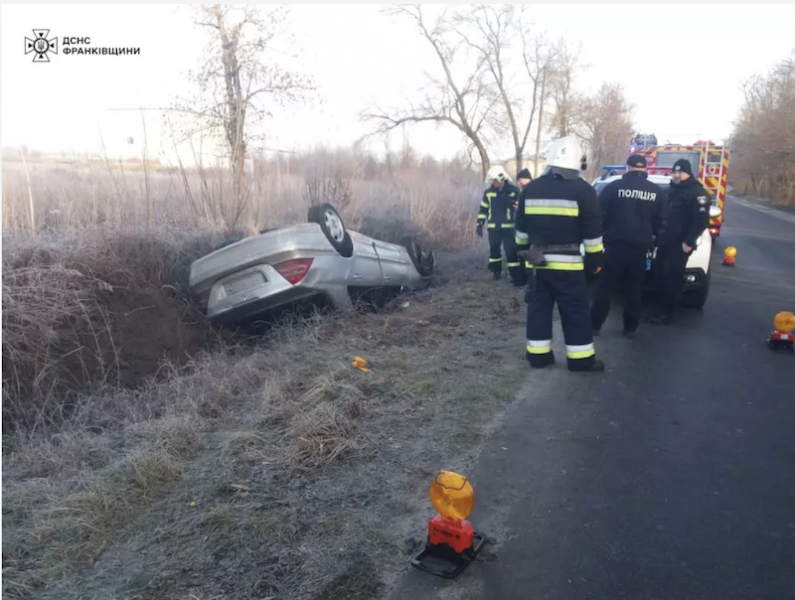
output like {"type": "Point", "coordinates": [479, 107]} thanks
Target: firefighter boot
{"type": "Point", "coordinates": [597, 366]}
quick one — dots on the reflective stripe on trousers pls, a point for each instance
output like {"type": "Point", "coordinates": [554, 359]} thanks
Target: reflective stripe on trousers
{"type": "Point", "coordinates": [569, 291]}
{"type": "Point", "coordinates": [582, 351]}
{"type": "Point", "coordinates": [539, 346]}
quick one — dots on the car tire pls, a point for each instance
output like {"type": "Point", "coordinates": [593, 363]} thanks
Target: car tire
{"type": "Point", "coordinates": [333, 227]}
{"type": "Point", "coordinates": [698, 298]}
{"type": "Point", "coordinates": [423, 263]}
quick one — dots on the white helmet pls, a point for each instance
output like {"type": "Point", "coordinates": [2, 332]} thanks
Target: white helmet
{"type": "Point", "coordinates": [566, 153]}
{"type": "Point", "coordinates": [498, 173]}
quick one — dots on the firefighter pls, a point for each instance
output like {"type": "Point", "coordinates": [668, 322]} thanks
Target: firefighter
{"type": "Point", "coordinates": [688, 217]}
{"type": "Point", "coordinates": [497, 210]}
{"type": "Point", "coordinates": [633, 216]}
{"type": "Point", "coordinates": [557, 212]}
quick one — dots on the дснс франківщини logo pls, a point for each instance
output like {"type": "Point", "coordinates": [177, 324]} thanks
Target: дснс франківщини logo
{"type": "Point", "coordinates": [41, 45]}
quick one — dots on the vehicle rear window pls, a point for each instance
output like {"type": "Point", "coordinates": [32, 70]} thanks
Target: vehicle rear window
{"type": "Point", "coordinates": [667, 158]}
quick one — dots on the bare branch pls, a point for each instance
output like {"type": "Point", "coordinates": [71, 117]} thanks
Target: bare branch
{"type": "Point", "coordinates": [464, 104]}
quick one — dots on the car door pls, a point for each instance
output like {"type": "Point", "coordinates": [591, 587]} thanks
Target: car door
{"type": "Point", "coordinates": [366, 269]}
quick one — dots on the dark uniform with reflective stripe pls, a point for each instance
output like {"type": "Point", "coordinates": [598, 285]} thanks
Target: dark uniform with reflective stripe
{"type": "Point", "coordinates": [688, 217]}
{"type": "Point", "coordinates": [498, 209]}
{"type": "Point", "coordinates": [558, 215]}
{"type": "Point", "coordinates": [633, 215]}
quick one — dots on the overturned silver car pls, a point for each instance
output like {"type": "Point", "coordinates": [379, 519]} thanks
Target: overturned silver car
{"type": "Point", "coordinates": [320, 260]}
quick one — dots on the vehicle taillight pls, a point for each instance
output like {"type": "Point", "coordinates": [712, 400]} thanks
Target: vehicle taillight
{"type": "Point", "coordinates": [294, 270]}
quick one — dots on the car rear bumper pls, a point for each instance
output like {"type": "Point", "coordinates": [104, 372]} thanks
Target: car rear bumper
{"type": "Point", "coordinates": [261, 288]}
{"type": "Point", "coordinates": [260, 302]}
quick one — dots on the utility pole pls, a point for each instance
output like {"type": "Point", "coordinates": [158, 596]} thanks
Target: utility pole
{"type": "Point", "coordinates": [540, 119]}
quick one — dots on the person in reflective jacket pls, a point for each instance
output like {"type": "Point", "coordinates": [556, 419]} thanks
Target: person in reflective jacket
{"type": "Point", "coordinates": [633, 216]}
{"type": "Point", "coordinates": [557, 212]}
{"type": "Point", "coordinates": [688, 218]}
{"type": "Point", "coordinates": [497, 209]}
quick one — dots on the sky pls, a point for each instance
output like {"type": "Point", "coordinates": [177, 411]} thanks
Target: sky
{"type": "Point", "coordinates": [682, 67]}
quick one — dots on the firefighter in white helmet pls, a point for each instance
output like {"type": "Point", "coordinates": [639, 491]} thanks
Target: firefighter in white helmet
{"type": "Point", "coordinates": [497, 212]}
{"type": "Point", "coordinates": [557, 212]}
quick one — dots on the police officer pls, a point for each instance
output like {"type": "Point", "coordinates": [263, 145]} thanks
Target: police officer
{"type": "Point", "coordinates": [497, 209]}
{"type": "Point", "coordinates": [523, 177]}
{"type": "Point", "coordinates": [633, 215]}
{"type": "Point", "coordinates": [688, 217]}
{"type": "Point", "coordinates": [557, 212]}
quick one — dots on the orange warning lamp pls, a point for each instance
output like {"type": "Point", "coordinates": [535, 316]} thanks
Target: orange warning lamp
{"type": "Point", "coordinates": [728, 256]}
{"type": "Point", "coordinates": [782, 337]}
{"type": "Point", "coordinates": [451, 537]}
{"type": "Point", "coordinates": [452, 496]}
{"type": "Point", "coordinates": [784, 322]}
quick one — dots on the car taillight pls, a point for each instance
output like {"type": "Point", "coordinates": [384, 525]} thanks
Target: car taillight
{"type": "Point", "coordinates": [294, 270]}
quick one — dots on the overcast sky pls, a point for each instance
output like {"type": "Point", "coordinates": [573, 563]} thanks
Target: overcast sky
{"type": "Point", "coordinates": [682, 66]}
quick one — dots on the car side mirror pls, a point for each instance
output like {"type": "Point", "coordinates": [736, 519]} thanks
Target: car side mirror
{"type": "Point", "coordinates": [714, 212]}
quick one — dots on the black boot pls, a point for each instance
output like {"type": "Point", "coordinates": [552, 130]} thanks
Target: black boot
{"type": "Point", "coordinates": [540, 361]}
{"type": "Point", "coordinates": [497, 275]}
{"type": "Point", "coordinates": [597, 366]}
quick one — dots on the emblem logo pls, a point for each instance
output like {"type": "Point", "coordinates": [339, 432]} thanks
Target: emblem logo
{"type": "Point", "coordinates": [41, 46]}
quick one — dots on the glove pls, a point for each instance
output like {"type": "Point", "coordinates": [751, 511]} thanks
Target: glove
{"type": "Point", "coordinates": [593, 262]}
{"type": "Point", "coordinates": [479, 230]}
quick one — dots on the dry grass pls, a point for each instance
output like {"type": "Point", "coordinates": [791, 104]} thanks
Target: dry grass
{"type": "Point", "coordinates": [154, 458]}
{"type": "Point", "coordinates": [276, 464]}
{"type": "Point", "coordinates": [441, 199]}
{"type": "Point", "coordinates": [91, 310]}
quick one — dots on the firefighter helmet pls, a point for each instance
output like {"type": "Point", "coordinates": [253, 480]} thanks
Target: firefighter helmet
{"type": "Point", "coordinates": [497, 173]}
{"type": "Point", "coordinates": [566, 153]}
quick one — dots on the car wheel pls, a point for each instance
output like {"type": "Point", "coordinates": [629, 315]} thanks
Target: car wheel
{"type": "Point", "coordinates": [332, 226]}
{"type": "Point", "coordinates": [424, 263]}
{"type": "Point", "coordinates": [698, 298]}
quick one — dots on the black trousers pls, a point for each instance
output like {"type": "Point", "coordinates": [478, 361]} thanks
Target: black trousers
{"type": "Point", "coordinates": [499, 238]}
{"type": "Point", "coordinates": [672, 262]}
{"type": "Point", "coordinates": [570, 291]}
{"type": "Point", "coordinates": [627, 262]}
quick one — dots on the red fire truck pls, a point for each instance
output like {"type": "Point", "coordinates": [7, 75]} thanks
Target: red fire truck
{"type": "Point", "coordinates": [711, 159]}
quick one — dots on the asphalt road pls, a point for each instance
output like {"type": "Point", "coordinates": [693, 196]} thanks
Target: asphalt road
{"type": "Point", "coordinates": [669, 477]}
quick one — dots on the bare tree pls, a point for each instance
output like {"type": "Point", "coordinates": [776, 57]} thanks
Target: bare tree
{"type": "Point", "coordinates": [604, 124]}
{"type": "Point", "coordinates": [567, 103]}
{"type": "Point", "coordinates": [468, 103]}
{"type": "Point", "coordinates": [240, 80]}
{"type": "Point", "coordinates": [500, 37]}
{"type": "Point", "coordinates": [763, 142]}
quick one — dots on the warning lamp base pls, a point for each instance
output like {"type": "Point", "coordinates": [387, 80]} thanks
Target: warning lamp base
{"type": "Point", "coordinates": [431, 555]}
{"type": "Point", "coordinates": [728, 262]}
{"type": "Point", "coordinates": [781, 342]}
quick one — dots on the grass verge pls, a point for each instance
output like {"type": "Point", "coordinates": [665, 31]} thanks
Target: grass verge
{"type": "Point", "coordinates": [272, 471]}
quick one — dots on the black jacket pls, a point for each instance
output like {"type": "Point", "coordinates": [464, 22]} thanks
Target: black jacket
{"type": "Point", "coordinates": [497, 206]}
{"type": "Point", "coordinates": [554, 210]}
{"type": "Point", "coordinates": [633, 210]}
{"type": "Point", "coordinates": [688, 212]}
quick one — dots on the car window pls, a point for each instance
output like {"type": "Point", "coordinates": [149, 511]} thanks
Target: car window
{"type": "Point", "coordinates": [599, 186]}
{"type": "Point", "coordinates": [667, 158]}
